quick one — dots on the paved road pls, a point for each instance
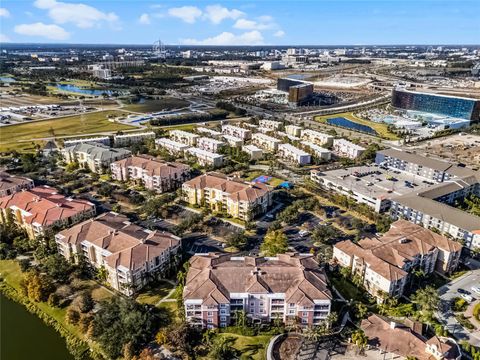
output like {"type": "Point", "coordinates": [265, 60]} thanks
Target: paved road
{"type": "Point", "coordinates": [446, 316]}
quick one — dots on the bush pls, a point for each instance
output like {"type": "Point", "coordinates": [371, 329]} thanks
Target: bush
{"type": "Point", "coordinates": [459, 304]}
{"type": "Point", "coordinates": [86, 302]}
{"type": "Point", "coordinates": [72, 316]}
{"type": "Point", "coordinates": [53, 300]}
{"type": "Point", "coordinates": [24, 264]}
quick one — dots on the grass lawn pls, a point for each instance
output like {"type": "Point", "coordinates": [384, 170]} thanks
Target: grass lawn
{"type": "Point", "coordinates": [91, 123]}
{"type": "Point", "coordinates": [172, 308]}
{"type": "Point", "coordinates": [347, 289]}
{"type": "Point", "coordinates": [165, 103]}
{"type": "Point", "coordinates": [380, 128]}
{"type": "Point", "coordinates": [254, 346]}
{"type": "Point", "coordinates": [152, 294]}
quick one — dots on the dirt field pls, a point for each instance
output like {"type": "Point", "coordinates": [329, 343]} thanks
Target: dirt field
{"type": "Point", "coordinates": [456, 148]}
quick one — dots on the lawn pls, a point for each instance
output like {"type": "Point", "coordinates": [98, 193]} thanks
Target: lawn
{"type": "Point", "coordinates": [165, 103]}
{"type": "Point", "coordinates": [380, 128]}
{"type": "Point", "coordinates": [152, 294]}
{"type": "Point", "coordinates": [254, 346]}
{"type": "Point", "coordinates": [12, 275]}
{"type": "Point", "coordinates": [15, 137]}
{"type": "Point", "coordinates": [347, 289]}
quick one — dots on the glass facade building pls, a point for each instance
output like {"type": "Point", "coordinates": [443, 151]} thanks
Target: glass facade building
{"type": "Point", "coordinates": [451, 106]}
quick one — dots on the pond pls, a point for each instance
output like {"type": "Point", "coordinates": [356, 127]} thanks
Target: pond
{"type": "Point", "coordinates": [24, 336]}
{"type": "Point", "coordinates": [84, 91]}
{"type": "Point", "coordinates": [342, 122]}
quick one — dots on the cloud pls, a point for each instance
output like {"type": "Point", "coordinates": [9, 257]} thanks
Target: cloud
{"type": "Point", "coordinates": [279, 33]}
{"type": "Point", "coordinates": [217, 13]}
{"type": "Point", "coordinates": [81, 15]}
{"type": "Point", "coordinates": [189, 14]}
{"type": "Point", "coordinates": [144, 19]}
{"type": "Point", "coordinates": [52, 31]}
{"type": "Point", "coordinates": [227, 38]}
{"type": "Point", "coordinates": [4, 12]}
{"type": "Point", "coordinates": [157, 6]}
{"type": "Point", "coordinates": [262, 23]}
{"type": "Point", "coordinates": [4, 38]}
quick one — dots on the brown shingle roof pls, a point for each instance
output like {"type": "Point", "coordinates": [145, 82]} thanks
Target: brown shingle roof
{"type": "Point", "coordinates": [237, 190]}
{"type": "Point", "coordinates": [130, 245]}
{"type": "Point", "coordinates": [45, 205]}
{"type": "Point", "coordinates": [297, 276]}
{"type": "Point", "coordinates": [152, 166]}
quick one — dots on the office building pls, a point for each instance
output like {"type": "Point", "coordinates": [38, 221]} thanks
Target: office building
{"type": "Point", "coordinates": [230, 195]}
{"type": "Point", "coordinates": [41, 209]}
{"type": "Point", "coordinates": [452, 106]}
{"type": "Point", "coordinates": [385, 263]}
{"type": "Point", "coordinates": [292, 154]}
{"type": "Point", "coordinates": [206, 158]}
{"type": "Point", "coordinates": [345, 148]}
{"type": "Point", "coordinates": [288, 287]}
{"type": "Point", "coordinates": [152, 173]}
{"type": "Point", "coordinates": [267, 143]}
{"type": "Point", "coordinates": [93, 156]}
{"type": "Point", "coordinates": [237, 132]}
{"type": "Point", "coordinates": [132, 255]}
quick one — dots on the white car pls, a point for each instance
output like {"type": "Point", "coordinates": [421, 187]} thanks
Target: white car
{"type": "Point", "coordinates": [476, 289]}
{"type": "Point", "coordinates": [303, 233]}
{"type": "Point", "coordinates": [467, 297]}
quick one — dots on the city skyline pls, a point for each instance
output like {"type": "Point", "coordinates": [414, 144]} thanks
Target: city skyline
{"type": "Point", "coordinates": [224, 23]}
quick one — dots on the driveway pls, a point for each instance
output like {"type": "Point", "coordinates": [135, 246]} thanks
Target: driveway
{"type": "Point", "coordinates": [446, 316]}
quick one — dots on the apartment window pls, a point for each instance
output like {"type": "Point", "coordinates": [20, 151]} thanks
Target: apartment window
{"type": "Point", "coordinates": [223, 324]}
{"type": "Point", "coordinates": [292, 305]}
{"type": "Point", "coordinates": [210, 321]}
{"type": "Point", "coordinates": [304, 321]}
{"type": "Point", "coordinates": [291, 311]}
{"type": "Point", "coordinates": [210, 313]}
{"type": "Point", "coordinates": [223, 318]}
{"type": "Point", "coordinates": [304, 313]}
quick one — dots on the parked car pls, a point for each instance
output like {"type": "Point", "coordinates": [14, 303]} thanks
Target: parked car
{"type": "Point", "coordinates": [303, 233]}
{"type": "Point", "coordinates": [463, 291]}
{"type": "Point", "coordinates": [467, 297]}
{"type": "Point", "coordinates": [476, 289]}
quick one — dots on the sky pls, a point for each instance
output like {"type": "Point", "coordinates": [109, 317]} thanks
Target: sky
{"type": "Point", "coordinates": [235, 22]}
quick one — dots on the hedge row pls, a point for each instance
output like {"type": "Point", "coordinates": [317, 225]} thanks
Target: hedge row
{"type": "Point", "coordinates": [77, 347]}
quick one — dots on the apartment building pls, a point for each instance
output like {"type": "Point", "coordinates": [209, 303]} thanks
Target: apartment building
{"type": "Point", "coordinates": [425, 167]}
{"type": "Point", "coordinates": [254, 152]}
{"type": "Point", "coordinates": [384, 263]}
{"type": "Point", "coordinates": [41, 209]}
{"type": "Point", "coordinates": [184, 137]}
{"type": "Point", "coordinates": [319, 152]}
{"type": "Point", "coordinates": [230, 195]}
{"type": "Point", "coordinates": [209, 144]}
{"type": "Point", "coordinates": [287, 287]}
{"type": "Point", "coordinates": [292, 154]}
{"type": "Point", "coordinates": [132, 138]}
{"type": "Point", "coordinates": [407, 340]}
{"type": "Point", "coordinates": [210, 132]}
{"type": "Point", "coordinates": [233, 141]}
{"type": "Point", "coordinates": [206, 158]}
{"type": "Point", "coordinates": [293, 130]}
{"type": "Point", "coordinates": [105, 140]}
{"type": "Point", "coordinates": [271, 125]}
{"type": "Point", "coordinates": [131, 254]}
{"type": "Point", "coordinates": [236, 131]}
{"type": "Point", "coordinates": [317, 137]}
{"type": "Point", "coordinates": [173, 147]}
{"type": "Point", "coordinates": [435, 208]}
{"type": "Point", "coordinates": [267, 143]}
{"type": "Point", "coordinates": [152, 173]}
{"type": "Point", "coordinates": [93, 156]}
{"type": "Point", "coordinates": [10, 184]}
{"type": "Point", "coordinates": [345, 148]}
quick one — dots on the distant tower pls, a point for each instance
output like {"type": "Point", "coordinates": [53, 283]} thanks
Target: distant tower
{"type": "Point", "coordinates": [159, 49]}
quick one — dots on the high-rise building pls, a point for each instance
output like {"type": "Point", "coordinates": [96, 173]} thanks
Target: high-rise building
{"type": "Point", "coordinates": [453, 106]}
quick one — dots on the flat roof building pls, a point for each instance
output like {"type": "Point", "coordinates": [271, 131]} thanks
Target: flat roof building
{"type": "Point", "coordinates": [210, 144]}
{"type": "Point", "coordinates": [316, 137]}
{"type": "Point", "coordinates": [318, 152]}
{"type": "Point", "coordinates": [292, 154]}
{"type": "Point", "coordinates": [236, 131]}
{"type": "Point", "coordinates": [345, 148]}
{"type": "Point", "coordinates": [267, 143]}
{"type": "Point", "coordinates": [254, 152]}
{"type": "Point", "coordinates": [132, 138]}
{"type": "Point", "coordinates": [173, 147]}
{"type": "Point", "coordinates": [184, 137]}
{"type": "Point", "coordinates": [206, 158]}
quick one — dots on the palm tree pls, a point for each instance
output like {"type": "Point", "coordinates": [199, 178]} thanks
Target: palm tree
{"type": "Point", "coordinates": [360, 340]}
{"type": "Point", "coordinates": [102, 274]}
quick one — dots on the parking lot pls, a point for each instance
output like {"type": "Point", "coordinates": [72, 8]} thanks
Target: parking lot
{"type": "Point", "coordinates": [451, 291]}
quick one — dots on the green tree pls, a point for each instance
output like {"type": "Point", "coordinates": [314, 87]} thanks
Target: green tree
{"type": "Point", "coordinates": [86, 302]}
{"type": "Point", "coordinates": [426, 299]}
{"type": "Point", "coordinates": [275, 242]}
{"type": "Point", "coordinates": [359, 339]}
{"type": "Point", "coordinates": [58, 268]}
{"type": "Point", "coordinates": [222, 348]}
{"type": "Point", "coordinates": [72, 316]}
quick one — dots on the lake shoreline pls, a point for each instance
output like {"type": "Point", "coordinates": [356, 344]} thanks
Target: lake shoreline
{"type": "Point", "coordinates": [78, 348]}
